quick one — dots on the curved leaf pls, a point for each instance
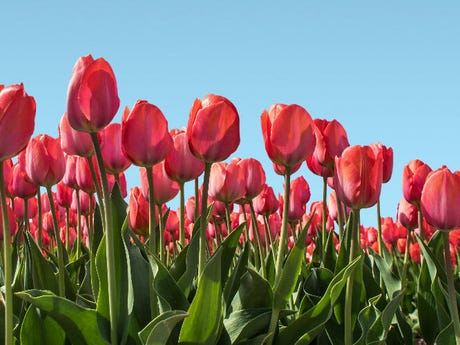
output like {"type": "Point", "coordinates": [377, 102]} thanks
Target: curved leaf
{"type": "Point", "coordinates": [158, 331]}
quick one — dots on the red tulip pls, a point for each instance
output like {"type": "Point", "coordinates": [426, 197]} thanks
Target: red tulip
{"type": "Point", "coordinates": [74, 142]}
{"type": "Point", "coordinates": [144, 135]}
{"type": "Point", "coordinates": [87, 202]}
{"type": "Point", "coordinates": [440, 201]}
{"type": "Point", "coordinates": [17, 120]}
{"type": "Point", "coordinates": [20, 185]}
{"type": "Point", "coordinates": [253, 177]}
{"type": "Point", "coordinates": [164, 189]}
{"type": "Point", "coordinates": [83, 175]}
{"type": "Point", "coordinates": [138, 212]}
{"type": "Point", "coordinates": [358, 176]}
{"type": "Point", "coordinates": [115, 161]}
{"type": "Point", "coordinates": [64, 195]}
{"type": "Point", "coordinates": [266, 202]}
{"type": "Point", "coordinates": [281, 169]}
{"type": "Point", "coordinates": [387, 156]}
{"type": "Point", "coordinates": [70, 175]}
{"type": "Point", "coordinates": [226, 182]}
{"type": "Point", "coordinates": [121, 184]}
{"type": "Point", "coordinates": [407, 214]}
{"type": "Point", "coordinates": [19, 209]}
{"type": "Point", "coordinates": [45, 164]}
{"type": "Point", "coordinates": [298, 198]}
{"type": "Point", "coordinates": [213, 129]}
{"type": "Point", "coordinates": [92, 96]}
{"type": "Point", "coordinates": [180, 164]}
{"type": "Point", "coordinates": [288, 132]}
{"type": "Point", "coordinates": [331, 140]}
{"type": "Point", "coordinates": [392, 231]}
{"type": "Point", "coordinates": [12, 222]}
{"type": "Point", "coordinates": [414, 176]}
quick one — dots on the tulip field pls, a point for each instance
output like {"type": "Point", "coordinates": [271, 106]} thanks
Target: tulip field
{"type": "Point", "coordinates": [86, 261]}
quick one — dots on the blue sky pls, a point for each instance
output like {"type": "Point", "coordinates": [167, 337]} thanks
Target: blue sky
{"type": "Point", "coordinates": [389, 71]}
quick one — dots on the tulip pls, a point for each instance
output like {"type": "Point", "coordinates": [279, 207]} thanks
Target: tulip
{"type": "Point", "coordinates": [180, 164]}
{"type": "Point", "coordinates": [358, 176]}
{"type": "Point", "coordinates": [84, 176]}
{"type": "Point", "coordinates": [439, 201]}
{"type": "Point", "coordinates": [45, 164]}
{"type": "Point", "coordinates": [13, 227]}
{"type": "Point", "coordinates": [266, 202]}
{"type": "Point", "coordinates": [63, 195]}
{"type": "Point", "coordinates": [164, 188]}
{"type": "Point", "coordinates": [92, 96]}
{"type": "Point", "coordinates": [253, 178]}
{"type": "Point", "coordinates": [115, 161]}
{"type": "Point", "coordinates": [84, 201]}
{"type": "Point", "coordinates": [73, 142]}
{"type": "Point", "coordinates": [70, 175]}
{"type": "Point", "coordinates": [414, 176]}
{"type": "Point", "coordinates": [20, 185]}
{"type": "Point", "coordinates": [17, 120]}
{"type": "Point", "coordinates": [226, 182]}
{"type": "Point", "coordinates": [288, 132]}
{"type": "Point", "coordinates": [387, 156]}
{"type": "Point", "coordinates": [213, 129]}
{"type": "Point", "coordinates": [407, 214]}
{"type": "Point", "coordinates": [138, 212]}
{"type": "Point", "coordinates": [144, 135]}
{"type": "Point", "coordinates": [331, 140]}
{"type": "Point", "coordinates": [298, 197]}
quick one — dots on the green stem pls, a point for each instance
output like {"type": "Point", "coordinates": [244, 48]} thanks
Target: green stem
{"type": "Point", "coordinates": [379, 230]}
{"type": "Point", "coordinates": [79, 226]}
{"type": "Point", "coordinates": [203, 223]}
{"type": "Point", "coordinates": [152, 242]}
{"type": "Point", "coordinates": [323, 220]}
{"type": "Point", "coordinates": [59, 245]}
{"type": "Point", "coordinates": [406, 261]}
{"type": "Point", "coordinates": [162, 234]}
{"type": "Point", "coordinates": [451, 287]}
{"type": "Point", "coordinates": [182, 215]}
{"type": "Point", "coordinates": [340, 216]}
{"type": "Point", "coordinates": [268, 233]}
{"type": "Point", "coordinates": [257, 235]}
{"type": "Point", "coordinates": [99, 193]}
{"type": "Point", "coordinates": [110, 243]}
{"type": "Point", "coordinates": [420, 223]}
{"type": "Point", "coordinates": [7, 263]}
{"type": "Point", "coordinates": [348, 336]}
{"type": "Point", "coordinates": [281, 249]}
{"type": "Point", "coordinates": [40, 218]}
{"type": "Point", "coordinates": [67, 228]}
{"type": "Point", "coordinates": [26, 215]}
{"type": "Point", "coordinates": [197, 200]}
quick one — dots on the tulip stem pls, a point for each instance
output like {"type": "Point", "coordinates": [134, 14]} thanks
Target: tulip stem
{"type": "Point", "coordinates": [152, 242]}
{"type": "Point", "coordinates": [323, 219]}
{"type": "Point", "coordinates": [40, 218]}
{"type": "Point", "coordinates": [406, 261]}
{"type": "Point", "coordinates": [255, 228]}
{"type": "Point", "coordinates": [182, 215]}
{"type": "Point", "coordinates": [162, 234]}
{"type": "Point", "coordinates": [99, 195]}
{"type": "Point", "coordinates": [354, 231]}
{"type": "Point", "coordinates": [451, 287]}
{"type": "Point", "coordinates": [110, 242]}
{"type": "Point", "coordinates": [203, 224]}
{"type": "Point", "coordinates": [281, 248]}
{"type": "Point", "coordinates": [79, 226]}
{"type": "Point", "coordinates": [59, 245]}
{"type": "Point", "coordinates": [379, 230]}
{"type": "Point", "coordinates": [67, 228]}
{"type": "Point", "coordinates": [420, 223]}
{"type": "Point", "coordinates": [7, 263]}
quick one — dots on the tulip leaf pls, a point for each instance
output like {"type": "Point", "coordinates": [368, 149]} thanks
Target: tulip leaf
{"type": "Point", "coordinates": [42, 271]}
{"type": "Point", "coordinates": [186, 280]}
{"type": "Point", "coordinates": [311, 323]}
{"type": "Point", "coordinates": [158, 331]}
{"type": "Point", "coordinates": [446, 336]}
{"type": "Point", "coordinates": [228, 251]}
{"type": "Point", "coordinates": [40, 329]}
{"type": "Point", "coordinates": [254, 291]}
{"type": "Point", "coordinates": [82, 326]}
{"type": "Point", "coordinates": [392, 284]}
{"type": "Point", "coordinates": [426, 304]}
{"type": "Point", "coordinates": [205, 321]}
{"type": "Point", "coordinates": [287, 282]}
{"type": "Point", "coordinates": [233, 282]}
{"type": "Point", "coordinates": [166, 287]}
{"type": "Point", "coordinates": [124, 289]}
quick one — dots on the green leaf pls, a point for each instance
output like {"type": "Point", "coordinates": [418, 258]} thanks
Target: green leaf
{"type": "Point", "coordinates": [426, 304]}
{"type": "Point", "coordinates": [392, 283]}
{"type": "Point", "coordinates": [228, 251]}
{"type": "Point", "coordinates": [311, 323]}
{"type": "Point", "coordinates": [39, 329]}
{"type": "Point", "coordinates": [447, 336]}
{"type": "Point", "coordinates": [254, 291]}
{"type": "Point", "coordinates": [166, 287]}
{"type": "Point", "coordinates": [158, 331]}
{"type": "Point", "coordinates": [204, 324]}
{"type": "Point", "coordinates": [81, 325]}
{"type": "Point", "coordinates": [232, 285]}
{"type": "Point", "coordinates": [287, 282]}
{"type": "Point", "coordinates": [42, 271]}
{"type": "Point", "coordinates": [124, 290]}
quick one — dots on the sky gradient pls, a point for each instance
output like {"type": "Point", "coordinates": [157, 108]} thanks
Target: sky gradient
{"type": "Point", "coordinates": [388, 71]}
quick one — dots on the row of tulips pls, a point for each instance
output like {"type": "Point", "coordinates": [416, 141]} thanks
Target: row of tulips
{"type": "Point", "coordinates": [235, 263]}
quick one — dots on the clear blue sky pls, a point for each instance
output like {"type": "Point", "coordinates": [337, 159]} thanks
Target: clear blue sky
{"type": "Point", "coordinates": [389, 71]}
